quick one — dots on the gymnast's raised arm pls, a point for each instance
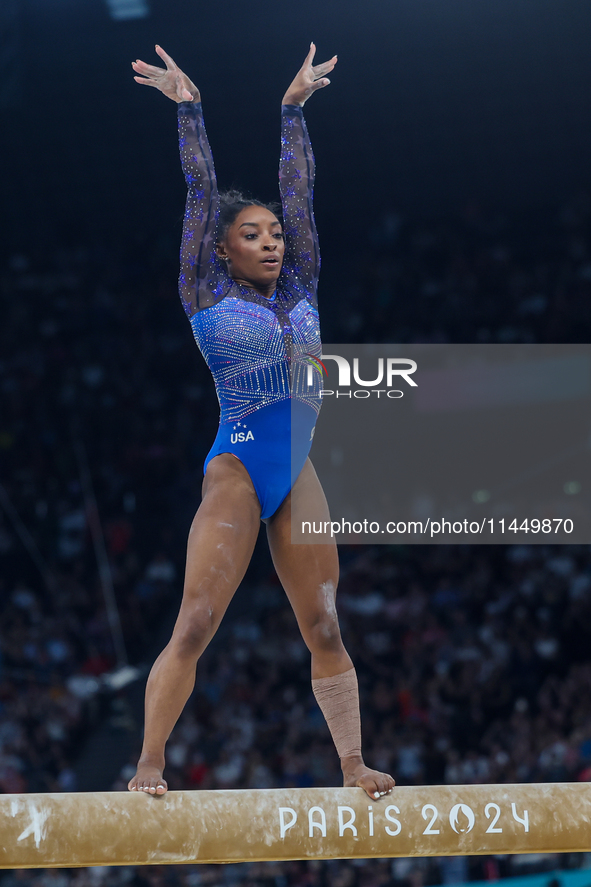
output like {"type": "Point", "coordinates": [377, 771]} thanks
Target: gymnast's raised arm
{"type": "Point", "coordinates": [296, 175]}
{"type": "Point", "coordinates": [202, 277]}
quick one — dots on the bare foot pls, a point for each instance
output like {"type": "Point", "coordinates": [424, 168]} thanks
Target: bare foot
{"type": "Point", "coordinates": [355, 773]}
{"type": "Point", "coordinates": [148, 778]}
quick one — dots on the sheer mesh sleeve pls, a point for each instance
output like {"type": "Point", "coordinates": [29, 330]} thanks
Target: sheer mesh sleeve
{"type": "Point", "coordinates": [296, 182]}
{"type": "Point", "coordinates": [203, 278]}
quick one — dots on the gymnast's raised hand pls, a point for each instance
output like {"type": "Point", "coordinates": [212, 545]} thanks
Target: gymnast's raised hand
{"type": "Point", "coordinates": [170, 80]}
{"type": "Point", "coordinates": [309, 79]}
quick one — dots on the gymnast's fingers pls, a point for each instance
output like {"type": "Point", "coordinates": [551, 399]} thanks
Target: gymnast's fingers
{"type": "Point", "coordinates": [310, 57]}
{"type": "Point", "coordinates": [170, 65]}
{"type": "Point", "coordinates": [324, 68]}
{"type": "Point", "coordinates": [145, 82]}
{"type": "Point", "coordinates": [146, 69]}
{"type": "Point", "coordinates": [318, 84]}
{"type": "Point", "coordinates": [181, 89]}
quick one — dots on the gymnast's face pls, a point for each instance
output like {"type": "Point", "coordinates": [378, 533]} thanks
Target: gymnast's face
{"type": "Point", "coordinates": [253, 248]}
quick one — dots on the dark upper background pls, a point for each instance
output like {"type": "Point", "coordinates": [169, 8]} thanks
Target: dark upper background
{"type": "Point", "coordinates": [434, 103]}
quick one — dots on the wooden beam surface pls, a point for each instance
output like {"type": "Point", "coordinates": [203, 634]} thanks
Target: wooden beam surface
{"type": "Point", "coordinates": [125, 828]}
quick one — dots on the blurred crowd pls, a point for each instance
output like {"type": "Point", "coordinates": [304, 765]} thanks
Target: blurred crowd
{"type": "Point", "coordinates": [80, 387]}
{"type": "Point", "coordinates": [473, 661]}
{"type": "Point", "coordinates": [478, 277]}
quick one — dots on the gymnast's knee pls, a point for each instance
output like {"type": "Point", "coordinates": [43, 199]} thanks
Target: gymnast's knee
{"type": "Point", "coordinates": [322, 633]}
{"type": "Point", "coordinates": [193, 631]}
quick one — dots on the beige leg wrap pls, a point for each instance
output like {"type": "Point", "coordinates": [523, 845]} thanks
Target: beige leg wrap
{"type": "Point", "coordinates": [338, 698]}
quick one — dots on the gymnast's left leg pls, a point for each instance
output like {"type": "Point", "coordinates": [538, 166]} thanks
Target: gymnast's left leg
{"type": "Point", "coordinates": [309, 575]}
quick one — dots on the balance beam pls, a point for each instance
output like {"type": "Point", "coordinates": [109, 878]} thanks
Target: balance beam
{"type": "Point", "coordinates": [125, 828]}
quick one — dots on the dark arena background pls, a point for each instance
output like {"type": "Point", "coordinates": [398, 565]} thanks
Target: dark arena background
{"type": "Point", "coordinates": [453, 201]}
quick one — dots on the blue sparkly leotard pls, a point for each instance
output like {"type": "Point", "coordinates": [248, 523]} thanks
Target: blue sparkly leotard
{"type": "Point", "coordinates": [259, 350]}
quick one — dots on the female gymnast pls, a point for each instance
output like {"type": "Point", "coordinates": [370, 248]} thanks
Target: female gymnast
{"type": "Point", "coordinates": [248, 285]}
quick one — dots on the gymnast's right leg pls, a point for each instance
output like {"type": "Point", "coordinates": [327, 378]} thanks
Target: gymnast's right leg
{"type": "Point", "coordinates": [221, 541]}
